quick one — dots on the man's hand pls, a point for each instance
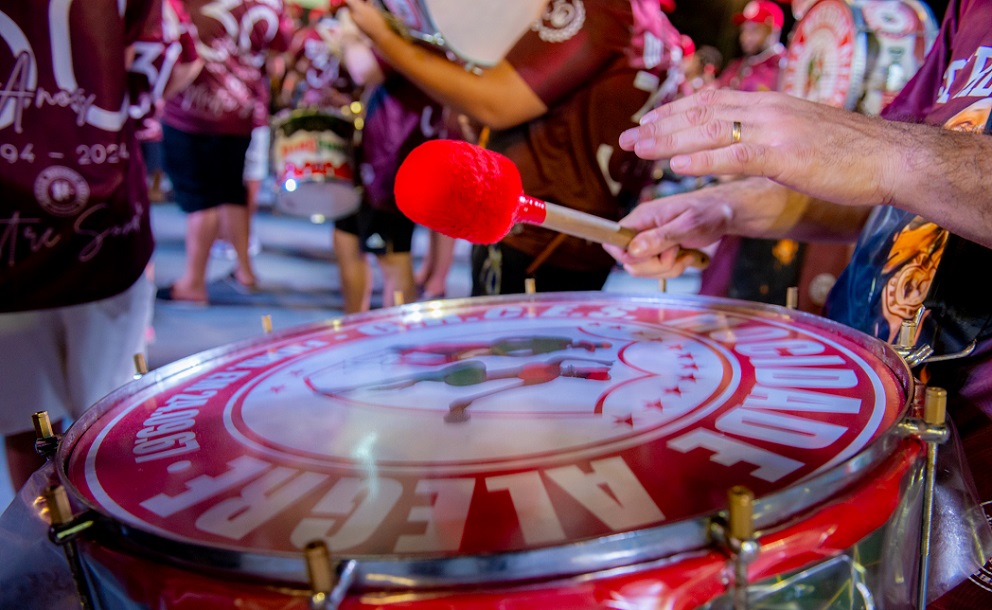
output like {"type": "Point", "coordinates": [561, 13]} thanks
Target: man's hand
{"type": "Point", "coordinates": [369, 20]}
{"type": "Point", "coordinates": [822, 151]}
{"type": "Point", "coordinates": [691, 220]}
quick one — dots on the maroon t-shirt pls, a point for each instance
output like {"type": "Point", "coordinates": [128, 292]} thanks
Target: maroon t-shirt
{"type": "Point", "coordinates": [233, 39]}
{"type": "Point", "coordinates": [74, 223]}
{"type": "Point", "coordinates": [596, 65]}
{"type": "Point", "coordinates": [755, 73]}
{"type": "Point", "coordinates": [324, 79]}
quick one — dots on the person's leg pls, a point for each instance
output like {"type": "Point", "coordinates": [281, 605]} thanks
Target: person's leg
{"type": "Point", "coordinates": [355, 271]}
{"type": "Point", "coordinates": [201, 230]}
{"type": "Point", "coordinates": [236, 223]}
{"type": "Point", "coordinates": [397, 277]}
{"type": "Point", "coordinates": [32, 361]}
{"type": "Point", "coordinates": [389, 236]}
{"type": "Point", "coordinates": [433, 279]}
{"type": "Point", "coordinates": [190, 160]}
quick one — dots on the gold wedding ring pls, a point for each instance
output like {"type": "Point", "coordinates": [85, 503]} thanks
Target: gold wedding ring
{"type": "Point", "coordinates": [735, 133]}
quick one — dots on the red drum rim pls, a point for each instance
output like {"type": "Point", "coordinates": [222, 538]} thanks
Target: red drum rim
{"type": "Point", "coordinates": [620, 551]}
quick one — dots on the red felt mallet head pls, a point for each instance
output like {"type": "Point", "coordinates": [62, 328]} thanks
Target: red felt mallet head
{"type": "Point", "coordinates": [460, 190]}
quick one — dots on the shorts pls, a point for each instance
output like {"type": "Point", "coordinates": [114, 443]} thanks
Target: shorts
{"type": "Point", "coordinates": [63, 360]}
{"type": "Point", "coordinates": [257, 156]}
{"type": "Point", "coordinates": [206, 170]}
{"type": "Point", "coordinates": [378, 232]}
{"type": "Point", "coordinates": [499, 269]}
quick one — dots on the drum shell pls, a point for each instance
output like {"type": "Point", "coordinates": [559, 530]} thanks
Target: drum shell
{"type": "Point", "coordinates": [313, 154]}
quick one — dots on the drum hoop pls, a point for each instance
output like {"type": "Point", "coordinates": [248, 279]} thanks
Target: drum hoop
{"type": "Point", "coordinates": [617, 551]}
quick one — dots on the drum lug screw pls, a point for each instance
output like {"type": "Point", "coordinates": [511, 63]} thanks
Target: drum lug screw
{"type": "Point", "coordinates": [63, 532]}
{"type": "Point", "coordinates": [328, 586]}
{"type": "Point", "coordinates": [140, 366]}
{"type": "Point", "coordinates": [47, 442]}
{"type": "Point", "coordinates": [934, 431]}
{"type": "Point", "coordinates": [737, 535]}
{"type": "Point", "coordinates": [906, 346]}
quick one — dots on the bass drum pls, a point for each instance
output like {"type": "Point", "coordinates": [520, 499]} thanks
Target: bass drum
{"type": "Point", "coordinates": [857, 54]}
{"type": "Point", "coordinates": [557, 450]}
{"type": "Point", "coordinates": [314, 153]}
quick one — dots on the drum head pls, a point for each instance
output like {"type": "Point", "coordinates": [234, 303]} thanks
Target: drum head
{"type": "Point", "coordinates": [489, 427]}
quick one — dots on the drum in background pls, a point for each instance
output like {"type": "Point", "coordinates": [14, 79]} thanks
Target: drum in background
{"type": "Point", "coordinates": [313, 154]}
{"type": "Point", "coordinates": [557, 450]}
{"type": "Point", "coordinates": [477, 33]}
{"type": "Point", "coordinates": [857, 54]}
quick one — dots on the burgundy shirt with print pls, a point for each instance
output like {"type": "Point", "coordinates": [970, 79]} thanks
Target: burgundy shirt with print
{"type": "Point", "coordinates": [596, 65]}
{"type": "Point", "coordinates": [230, 95]}
{"type": "Point", "coordinates": [755, 73]}
{"type": "Point", "coordinates": [74, 224]}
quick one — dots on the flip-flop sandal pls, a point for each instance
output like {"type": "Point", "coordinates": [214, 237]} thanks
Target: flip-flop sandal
{"type": "Point", "coordinates": [240, 286]}
{"type": "Point", "coordinates": [165, 294]}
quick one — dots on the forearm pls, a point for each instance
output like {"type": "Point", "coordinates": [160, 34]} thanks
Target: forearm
{"type": "Point", "coordinates": [827, 153]}
{"type": "Point", "coordinates": [946, 177]}
{"type": "Point", "coordinates": [497, 97]}
{"type": "Point", "coordinates": [765, 209]}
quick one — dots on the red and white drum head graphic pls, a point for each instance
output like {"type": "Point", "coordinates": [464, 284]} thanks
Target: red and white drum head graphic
{"type": "Point", "coordinates": [825, 59]}
{"type": "Point", "coordinates": [484, 426]}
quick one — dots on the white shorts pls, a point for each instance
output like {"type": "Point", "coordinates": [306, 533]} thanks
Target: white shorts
{"type": "Point", "coordinates": [257, 157]}
{"type": "Point", "coordinates": [63, 360]}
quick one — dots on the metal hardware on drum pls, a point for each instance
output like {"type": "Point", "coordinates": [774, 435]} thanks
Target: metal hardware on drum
{"type": "Point", "coordinates": [931, 429]}
{"type": "Point", "coordinates": [792, 297]}
{"type": "Point", "coordinates": [63, 532]}
{"type": "Point", "coordinates": [47, 441]}
{"type": "Point", "coordinates": [740, 521]}
{"type": "Point", "coordinates": [735, 533]}
{"type": "Point", "coordinates": [934, 416]}
{"type": "Point", "coordinates": [915, 356]}
{"type": "Point", "coordinates": [329, 586]}
{"type": "Point", "coordinates": [140, 365]}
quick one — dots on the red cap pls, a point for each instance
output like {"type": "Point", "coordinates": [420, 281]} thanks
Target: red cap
{"type": "Point", "coordinates": [667, 5]}
{"type": "Point", "coordinates": [761, 11]}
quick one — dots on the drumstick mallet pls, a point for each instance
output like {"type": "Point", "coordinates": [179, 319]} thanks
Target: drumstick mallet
{"type": "Point", "coordinates": [467, 192]}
